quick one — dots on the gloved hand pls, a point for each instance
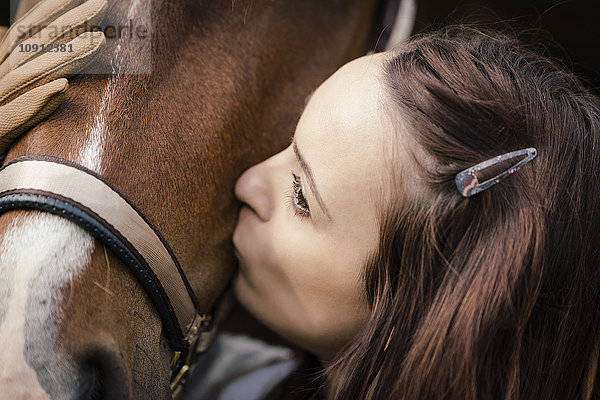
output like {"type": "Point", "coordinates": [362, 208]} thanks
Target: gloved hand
{"type": "Point", "coordinates": [37, 54]}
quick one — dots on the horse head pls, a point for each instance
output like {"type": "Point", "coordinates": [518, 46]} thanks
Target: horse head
{"type": "Point", "coordinates": [170, 121]}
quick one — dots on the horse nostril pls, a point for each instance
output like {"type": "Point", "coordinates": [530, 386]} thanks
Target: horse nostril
{"type": "Point", "coordinates": [106, 376]}
{"type": "Point", "coordinates": [95, 386]}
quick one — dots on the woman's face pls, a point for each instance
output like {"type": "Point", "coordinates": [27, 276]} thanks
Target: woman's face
{"type": "Point", "coordinates": [309, 221]}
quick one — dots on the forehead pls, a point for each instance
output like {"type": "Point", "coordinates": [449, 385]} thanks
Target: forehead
{"type": "Point", "coordinates": [341, 136]}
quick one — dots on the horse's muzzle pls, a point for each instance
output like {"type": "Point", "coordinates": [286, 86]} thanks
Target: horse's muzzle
{"type": "Point", "coordinates": [106, 375]}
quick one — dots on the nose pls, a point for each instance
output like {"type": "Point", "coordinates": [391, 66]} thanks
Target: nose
{"type": "Point", "coordinates": [253, 189]}
{"type": "Point", "coordinates": [106, 374]}
{"type": "Point", "coordinates": [101, 375]}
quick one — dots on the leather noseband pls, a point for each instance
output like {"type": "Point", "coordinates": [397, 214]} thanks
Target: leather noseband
{"type": "Point", "coordinates": [74, 192]}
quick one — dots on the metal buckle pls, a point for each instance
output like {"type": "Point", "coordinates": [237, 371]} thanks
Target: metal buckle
{"type": "Point", "coordinates": [199, 338]}
{"type": "Point", "coordinates": [200, 335]}
{"type": "Point", "coordinates": [179, 371]}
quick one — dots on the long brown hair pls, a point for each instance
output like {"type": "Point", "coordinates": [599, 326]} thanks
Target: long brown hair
{"type": "Point", "coordinates": [497, 295]}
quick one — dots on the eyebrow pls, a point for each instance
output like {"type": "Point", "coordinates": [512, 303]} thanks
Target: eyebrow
{"type": "Point", "coordinates": [311, 180]}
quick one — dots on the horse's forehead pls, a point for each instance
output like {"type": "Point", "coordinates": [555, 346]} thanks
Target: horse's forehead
{"type": "Point", "coordinates": [39, 255]}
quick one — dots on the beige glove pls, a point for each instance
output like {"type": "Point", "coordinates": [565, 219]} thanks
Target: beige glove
{"type": "Point", "coordinates": [32, 82]}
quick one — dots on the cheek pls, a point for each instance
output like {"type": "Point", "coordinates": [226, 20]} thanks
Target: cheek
{"type": "Point", "coordinates": [308, 289]}
{"type": "Point", "coordinates": [266, 249]}
{"type": "Point", "coordinates": [277, 267]}
{"type": "Point", "coordinates": [272, 256]}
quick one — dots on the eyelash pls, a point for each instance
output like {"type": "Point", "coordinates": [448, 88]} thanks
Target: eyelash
{"type": "Point", "coordinates": [296, 199]}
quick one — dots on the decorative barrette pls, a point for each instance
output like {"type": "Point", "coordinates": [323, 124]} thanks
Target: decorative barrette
{"type": "Point", "coordinates": [468, 184]}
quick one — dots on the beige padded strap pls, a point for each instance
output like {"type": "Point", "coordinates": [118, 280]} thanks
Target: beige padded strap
{"type": "Point", "coordinates": [80, 186]}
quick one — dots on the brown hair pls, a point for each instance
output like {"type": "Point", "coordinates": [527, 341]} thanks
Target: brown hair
{"type": "Point", "coordinates": [497, 295]}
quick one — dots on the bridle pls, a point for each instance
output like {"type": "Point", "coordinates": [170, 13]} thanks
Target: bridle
{"type": "Point", "coordinates": [67, 189]}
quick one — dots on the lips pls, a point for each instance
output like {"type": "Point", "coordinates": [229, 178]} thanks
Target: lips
{"type": "Point", "coordinates": [236, 251]}
{"type": "Point", "coordinates": [246, 237]}
{"type": "Point", "coordinates": [238, 231]}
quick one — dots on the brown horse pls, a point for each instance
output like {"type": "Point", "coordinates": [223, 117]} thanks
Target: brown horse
{"type": "Point", "coordinates": [227, 83]}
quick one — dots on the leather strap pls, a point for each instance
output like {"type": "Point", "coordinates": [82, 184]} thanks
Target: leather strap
{"type": "Point", "coordinates": [72, 191]}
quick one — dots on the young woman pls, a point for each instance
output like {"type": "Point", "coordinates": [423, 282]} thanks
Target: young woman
{"type": "Point", "coordinates": [364, 244]}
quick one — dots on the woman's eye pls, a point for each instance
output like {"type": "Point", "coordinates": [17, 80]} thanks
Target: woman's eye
{"type": "Point", "coordinates": [297, 199]}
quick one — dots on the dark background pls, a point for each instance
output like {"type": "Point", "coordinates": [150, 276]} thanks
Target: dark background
{"type": "Point", "coordinates": [5, 13]}
{"type": "Point", "coordinates": [568, 30]}
{"type": "Point", "coordinates": [5, 8]}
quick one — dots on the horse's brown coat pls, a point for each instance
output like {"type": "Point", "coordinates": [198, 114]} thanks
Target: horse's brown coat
{"type": "Point", "coordinates": [227, 85]}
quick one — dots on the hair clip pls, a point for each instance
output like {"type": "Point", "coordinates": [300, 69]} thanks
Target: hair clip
{"type": "Point", "coordinates": [468, 184]}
